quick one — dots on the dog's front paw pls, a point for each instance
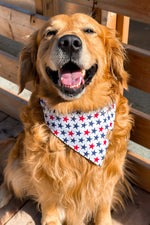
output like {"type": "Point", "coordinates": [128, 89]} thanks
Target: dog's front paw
{"type": "Point", "coordinates": [51, 221]}
{"type": "Point", "coordinates": [5, 195]}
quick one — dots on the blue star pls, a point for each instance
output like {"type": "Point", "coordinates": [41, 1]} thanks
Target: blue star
{"type": "Point", "coordinates": [89, 117]}
{"type": "Point", "coordinates": [76, 126]}
{"type": "Point", "coordinates": [65, 140]}
{"type": "Point", "coordinates": [98, 122]}
{"type": "Point", "coordinates": [93, 130]}
{"type": "Point", "coordinates": [57, 118]}
{"type": "Point", "coordinates": [53, 125]}
{"type": "Point", "coordinates": [86, 154]}
{"type": "Point", "coordinates": [106, 126]}
{"type": "Point", "coordinates": [73, 140]}
{"type": "Point", "coordinates": [68, 126]}
{"type": "Point", "coordinates": [48, 123]}
{"type": "Point", "coordinates": [98, 144]}
{"type": "Point", "coordinates": [101, 151]}
{"type": "Point", "coordinates": [91, 124]}
{"type": "Point", "coordinates": [105, 120]}
{"type": "Point", "coordinates": [102, 157]}
{"type": "Point", "coordinates": [78, 133]}
{"type": "Point", "coordinates": [112, 115]}
{"type": "Point", "coordinates": [60, 125]}
{"type": "Point", "coordinates": [108, 117]}
{"type": "Point", "coordinates": [89, 139]}
{"type": "Point", "coordinates": [45, 115]}
{"type": "Point", "coordinates": [81, 140]}
{"type": "Point", "coordinates": [102, 135]}
{"type": "Point", "coordinates": [102, 113]}
{"type": "Point", "coordinates": [83, 147]}
{"type": "Point", "coordinates": [94, 152]}
{"type": "Point", "coordinates": [96, 137]}
{"type": "Point", "coordinates": [84, 125]}
{"type": "Point", "coordinates": [63, 132]}
{"type": "Point", "coordinates": [73, 118]}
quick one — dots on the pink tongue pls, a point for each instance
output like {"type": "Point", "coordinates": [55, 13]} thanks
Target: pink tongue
{"type": "Point", "coordinates": [71, 79]}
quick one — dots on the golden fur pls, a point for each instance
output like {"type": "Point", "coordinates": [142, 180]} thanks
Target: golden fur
{"type": "Point", "coordinates": [68, 187]}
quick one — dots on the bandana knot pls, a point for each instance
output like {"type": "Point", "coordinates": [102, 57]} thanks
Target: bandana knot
{"type": "Point", "coordinates": [86, 133]}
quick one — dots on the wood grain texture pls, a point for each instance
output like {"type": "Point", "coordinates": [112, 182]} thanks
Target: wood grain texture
{"type": "Point", "coordinates": [141, 130]}
{"type": "Point", "coordinates": [18, 24]}
{"type": "Point", "coordinates": [141, 171]}
{"type": "Point", "coordinates": [138, 66]}
{"type": "Point", "coordinates": [138, 10]}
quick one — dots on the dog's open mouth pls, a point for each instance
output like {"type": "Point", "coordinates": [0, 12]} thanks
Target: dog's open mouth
{"type": "Point", "coordinates": [71, 79]}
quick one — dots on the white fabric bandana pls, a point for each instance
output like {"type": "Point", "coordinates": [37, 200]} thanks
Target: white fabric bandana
{"type": "Point", "coordinates": [86, 133]}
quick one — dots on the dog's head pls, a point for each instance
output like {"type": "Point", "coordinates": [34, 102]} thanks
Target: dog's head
{"type": "Point", "coordinates": [72, 55]}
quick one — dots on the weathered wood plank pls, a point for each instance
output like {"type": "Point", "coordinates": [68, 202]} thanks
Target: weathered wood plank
{"type": "Point", "coordinates": [9, 68]}
{"type": "Point", "coordinates": [138, 10]}
{"type": "Point", "coordinates": [122, 27]}
{"type": "Point", "coordinates": [138, 65]}
{"type": "Point", "coordinates": [28, 214]}
{"type": "Point", "coordinates": [3, 116]}
{"type": "Point", "coordinates": [10, 103]}
{"type": "Point", "coordinates": [141, 171]}
{"type": "Point", "coordinates": [7, 212]}
{"type": "Point", "coordinates": [17, 23]}
{"type": "Point", "coordinates": [141, 130]}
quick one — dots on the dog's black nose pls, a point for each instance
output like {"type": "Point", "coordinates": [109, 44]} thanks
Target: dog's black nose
{"type": "Point", "coordinates": [70, 43]}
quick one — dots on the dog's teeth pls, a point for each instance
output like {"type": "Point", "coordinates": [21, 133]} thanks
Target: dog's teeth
{"type": "Point", "coordinates": [83, 72]}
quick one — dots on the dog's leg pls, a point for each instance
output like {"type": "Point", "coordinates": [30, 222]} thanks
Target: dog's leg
{"type": "Point", "coordinates": [5, 195]}
{"type": "Point", "coordinates": [103, 216]}
{"type": "Point", "coordinates": [52, 215]}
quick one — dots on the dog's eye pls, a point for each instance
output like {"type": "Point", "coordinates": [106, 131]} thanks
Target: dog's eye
{"type": "Point", "coordinates": [89, 31]}
{"type": "Point", "coordinates": [51, 33]}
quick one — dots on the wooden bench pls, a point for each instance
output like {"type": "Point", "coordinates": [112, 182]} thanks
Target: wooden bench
{"type": "Point", "coordinates": [17, 24]}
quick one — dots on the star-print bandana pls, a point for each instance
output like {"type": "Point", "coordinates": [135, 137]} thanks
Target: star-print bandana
{"type": "Point", "coordinates": [86, 133]}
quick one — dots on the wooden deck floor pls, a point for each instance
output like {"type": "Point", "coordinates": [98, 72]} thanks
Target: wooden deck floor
{"type": "Point", "coordinates": [26, 213]}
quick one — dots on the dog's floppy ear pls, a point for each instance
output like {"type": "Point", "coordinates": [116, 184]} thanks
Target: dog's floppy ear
{"type": "Point", "coordinates": [115, 58]}
{"type": "Point", "coordinates": [27, 63]}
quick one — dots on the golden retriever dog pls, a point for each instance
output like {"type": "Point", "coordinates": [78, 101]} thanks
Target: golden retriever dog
{"type": "Point", "coordinates": [77, 67]}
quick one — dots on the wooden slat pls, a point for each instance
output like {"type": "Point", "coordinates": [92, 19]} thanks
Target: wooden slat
{"type": "Point", "coordinates": [11, 103]}
{"type": "Point", "coordinates": [18, 24]}
{"type": "Point", "coordinates": [39, 6]}
{"type": "Point", "coordinates": [9, 67]}
{"type": "Point", "coordinates": [138, 10]}
{"type": "Point", "coordinates": [141, 130]}
{"type": "Point", "coordinates": [111, 20]}
{"type": "Point", "coordinates": [138, 65]}
{"type": "Point", "coordinates": [141, 171]}
{"type": "Point", "coordinates": [122, 27]}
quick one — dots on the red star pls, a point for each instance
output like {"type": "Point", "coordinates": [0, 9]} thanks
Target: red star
{"type": "Point", "coordinates": [110, 124]}
{"type": "Point", "coordinates": [51, 117]}
{"type": "Point", "coordinates": [65, 119]}
{"type": "Point", "coordinates": [56, 132]}
{"type": "Point", "coordinates": [105, 142]}
{"type": "Point", "coordinates": [76, 147]}
{"type": "Point", "coordinates": [113, 106]}
{"type": "Point", "coordinates": [92, 146]}
{"type": "Point", "coordinates": [96, 115]}
{"type": "Point", "coordinates": [101, 129]}
{"type": "Point", "coordinates": [71, 133]}
{"type": "Point", "coordinates": [96, 159]}
{"type": "Point", "coordinates": [86, 132]}
{"type": "Point", "coordinates": [81, 118]}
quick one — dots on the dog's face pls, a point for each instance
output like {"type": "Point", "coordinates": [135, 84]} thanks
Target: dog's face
{"type": "Point", "coordinates": [71, 55]}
